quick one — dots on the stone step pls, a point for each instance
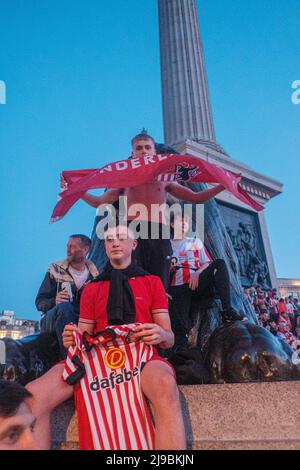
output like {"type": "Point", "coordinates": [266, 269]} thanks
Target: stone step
{"type": "Point", "coordinates": [252, 416]}
{"type": "Point", "coordinates": [242, 416]}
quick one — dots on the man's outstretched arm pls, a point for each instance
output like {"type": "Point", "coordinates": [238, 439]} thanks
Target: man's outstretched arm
{"type": "Point", "coordinates": [109, 197]}
{"type": "Point", "coordinates": [186, 194]}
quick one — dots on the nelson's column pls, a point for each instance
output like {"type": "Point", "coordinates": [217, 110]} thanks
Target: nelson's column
{"type": "Point", "coordinates": [233, 232]}
{"type": "Point", "coordinates": [189, 128]}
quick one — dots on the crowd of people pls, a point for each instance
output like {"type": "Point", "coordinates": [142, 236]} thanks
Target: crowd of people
{"type": "Point", "coordinates": [281, 316]}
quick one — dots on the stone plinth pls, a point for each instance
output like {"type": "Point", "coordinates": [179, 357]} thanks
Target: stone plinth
{"type": "Point", "coordinates": [243, 416]}
{"type": "Point", "coordinates": [232, 417]}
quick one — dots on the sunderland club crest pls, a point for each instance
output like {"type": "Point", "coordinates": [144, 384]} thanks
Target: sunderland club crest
{"type": "Point", "coordinates": [186, 172]}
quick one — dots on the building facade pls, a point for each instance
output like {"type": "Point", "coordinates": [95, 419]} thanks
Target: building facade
{"type": "Point", "coordinates": [289, 287]}
{"type": "Point", "coordinates": [16, 328]}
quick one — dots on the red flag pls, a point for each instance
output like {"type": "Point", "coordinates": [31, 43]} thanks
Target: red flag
{"type": "Point", "coordinates": [138, 171]}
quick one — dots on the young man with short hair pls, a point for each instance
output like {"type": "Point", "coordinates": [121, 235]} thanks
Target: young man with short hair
{"type": "Point", "coordinates": [59, 295]}
{"type": "Point", "coordinates": [17, 423]}
{"type": "Point", "coordinates": [195, 276]}
{"type": "Point", "coordinates": [124, 294]}
{"type": "Point", "coordinates": [153, 254]}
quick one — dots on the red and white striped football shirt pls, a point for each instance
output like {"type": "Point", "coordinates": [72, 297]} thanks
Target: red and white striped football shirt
{"type": "Point", "coordinates": [111, 408]}
{"type": "Point", "coordinates": [188, 255]}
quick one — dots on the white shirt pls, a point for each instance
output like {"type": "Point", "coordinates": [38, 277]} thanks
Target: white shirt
{"type": "Point", "coordinates": [289, 308]}
{"type": "Point", "coordinates": [189, 255]}
{"type": "Point", "coordinates": [79, 277]}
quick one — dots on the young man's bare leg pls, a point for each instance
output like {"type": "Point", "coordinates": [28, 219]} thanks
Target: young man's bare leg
{"type": "Point", "coordinates": [159, 385]}
{"type": "Point", "coordinates": [48, 392]}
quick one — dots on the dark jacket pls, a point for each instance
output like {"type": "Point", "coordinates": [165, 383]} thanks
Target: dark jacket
{"type": "Point", "coordinates": [56, 275]}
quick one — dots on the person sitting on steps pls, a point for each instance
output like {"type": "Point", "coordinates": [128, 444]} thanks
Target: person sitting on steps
{"type": "Point", "coordinates": [194, 276]}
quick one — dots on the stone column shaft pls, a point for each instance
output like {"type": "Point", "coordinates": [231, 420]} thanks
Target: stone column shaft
{"type": "Point", "coordinates": [186, 103]}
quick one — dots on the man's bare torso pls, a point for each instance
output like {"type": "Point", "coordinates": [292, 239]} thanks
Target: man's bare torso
{"type": "Point", "coordinates": [146, 195]}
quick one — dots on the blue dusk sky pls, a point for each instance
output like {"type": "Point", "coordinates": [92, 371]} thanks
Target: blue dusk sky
{"type": "Point", "coordinates": [82, 77]}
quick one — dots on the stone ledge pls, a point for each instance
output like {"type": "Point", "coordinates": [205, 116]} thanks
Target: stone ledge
{"type": "Point", "coordinates": [249, 445]}
{"type": "Point", "coordinates": [231, 416]}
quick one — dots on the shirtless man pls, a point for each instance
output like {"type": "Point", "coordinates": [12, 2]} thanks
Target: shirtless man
{"type": "Point", "coordinates": [154, 255]}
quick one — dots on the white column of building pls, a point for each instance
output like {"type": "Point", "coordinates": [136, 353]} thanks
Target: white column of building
{"type": "Point", "coordinates": [186, 104]}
